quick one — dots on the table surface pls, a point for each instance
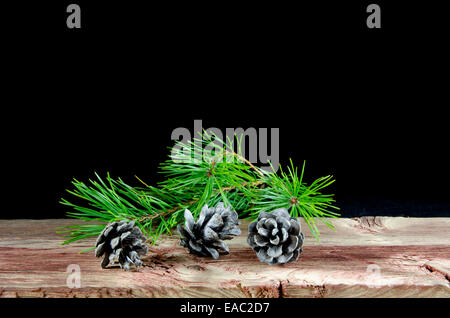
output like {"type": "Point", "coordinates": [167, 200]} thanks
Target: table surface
{"type": "Point", "coordinates": [366, 257]}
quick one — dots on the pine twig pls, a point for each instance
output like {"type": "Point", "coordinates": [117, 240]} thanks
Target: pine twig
{"type": "Point", "coordinates": [192, 184]}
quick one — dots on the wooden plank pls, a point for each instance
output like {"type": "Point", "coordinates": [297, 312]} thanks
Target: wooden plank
{"type": "Point", "coordinates": [368, 257]}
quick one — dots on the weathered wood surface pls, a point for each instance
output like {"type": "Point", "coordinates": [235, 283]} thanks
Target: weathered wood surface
{"type": "Point", "coordinates": [369, 257]}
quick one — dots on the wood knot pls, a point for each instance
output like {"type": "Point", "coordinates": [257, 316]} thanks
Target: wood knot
{"type": "Point", "coordinates": [320, 291]}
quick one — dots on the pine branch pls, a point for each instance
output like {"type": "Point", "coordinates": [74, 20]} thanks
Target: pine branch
{"type": "Point", "coordinates": [111, 201]}
{"type": "Point", "coordinates": [288, 190]}
{"type": "Point", "coordinates": [221, 169]}
{"type": "Point", "coordinates": [222, 174]}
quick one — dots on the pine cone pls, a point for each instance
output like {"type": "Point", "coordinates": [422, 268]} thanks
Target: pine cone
{"type": "Point", "coordinates": [276, 237]}
{"type": "Point", "coordinates": [121, 242]}
{"type": "Point", "coordinates": [204, 237]}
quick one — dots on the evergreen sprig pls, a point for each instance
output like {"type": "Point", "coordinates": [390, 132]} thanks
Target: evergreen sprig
{"type": "Point", "coordinates": [206, 170]}
{"type": "Point", "coordinates": [287, 190]}
{"type": "Point", "coordinates": [111, 201]}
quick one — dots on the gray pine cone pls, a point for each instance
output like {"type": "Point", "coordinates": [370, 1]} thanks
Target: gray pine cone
{"type": "Point", "coordinates": [121, 242]}
{"type": "Point", "coordinates": [276, 237]}
{"type": "Point", "coordinates": [204, 237]}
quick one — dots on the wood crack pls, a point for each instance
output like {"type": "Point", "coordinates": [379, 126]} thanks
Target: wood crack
{"type": "Point", "coordinates": [434, 270]}
{"type": "Point", "coordinates": [280, 290]}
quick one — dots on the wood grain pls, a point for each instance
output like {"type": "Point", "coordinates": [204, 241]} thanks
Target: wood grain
{"type": "Point", "coordinates": [367, 257]}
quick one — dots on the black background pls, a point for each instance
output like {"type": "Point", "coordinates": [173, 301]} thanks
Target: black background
{"type": "Point", "coordinates": [368, 106]}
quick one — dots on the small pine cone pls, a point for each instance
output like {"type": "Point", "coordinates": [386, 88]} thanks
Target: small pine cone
{"type": "Point", "coordinates": [276, 237]}
{"type": "Point", "coordinates": [121, 242]}
{"type": "Point", "coordinates": [204, 237]}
